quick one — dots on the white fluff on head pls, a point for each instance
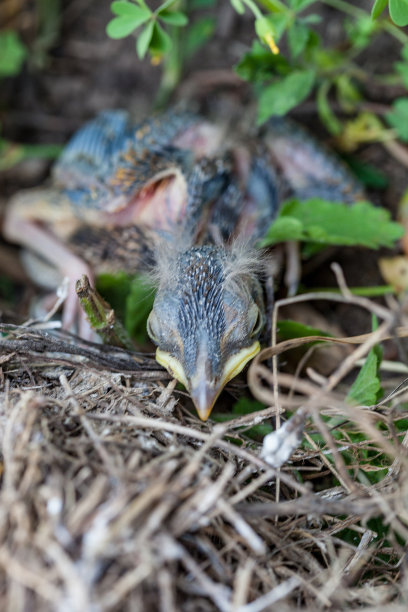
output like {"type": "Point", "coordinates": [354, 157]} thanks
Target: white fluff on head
{"type": "Point", "coordinates": [242, 259]}
{"type": "Point", "coordinates": [165, 257]}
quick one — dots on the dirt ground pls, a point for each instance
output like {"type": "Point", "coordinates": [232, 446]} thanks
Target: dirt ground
{"type": "Point", "coordinates": [114, 496]}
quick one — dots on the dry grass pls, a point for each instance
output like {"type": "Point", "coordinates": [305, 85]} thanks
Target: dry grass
{"type": "Point", "coordinates": [114, 497]}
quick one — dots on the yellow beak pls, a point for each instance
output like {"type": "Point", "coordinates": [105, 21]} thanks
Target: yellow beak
{"type": "Point", "coordinates": [204, 392]}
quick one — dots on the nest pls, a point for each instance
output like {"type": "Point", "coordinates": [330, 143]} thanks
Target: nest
{"type": "Point", "coordinates": [115, 497]}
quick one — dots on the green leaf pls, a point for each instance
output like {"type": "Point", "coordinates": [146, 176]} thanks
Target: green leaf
{"type": "Point", "coordinates": [174, 18]}
{"type": "Point", "coordinates": [245, 405]}
{"type": "Point", "coordinates": [12, 53]}
{"type": "Point", "coordinates": [366, 389]}
{"type": "Point", "coordinates": [165, 6]}
{"type": "Point", "coordinates": [160, 42]}
{"type": "Point", "coordinates": [238, 6]}
{"type": "Point", "coordinates": [399, 12]}
{"type": "Point", "coordinates": [288, 329]}
{"type": "Point", "coordinates": [398, 118]}
{"type": "Point", "coordinates": [115, 288]}
{"type": "Point", "coordinates": [275, 24]}
{"type": "Point", "coordinates": [284, 228]}
{"type": "Point", "coordinates": [259, 64]}
{"type": "Point", "coordinates": [324, 222]}
{"type": "Point", "coordinates": [12, 153]}
{"type": "Point", "coordinates": [126, 9]}
{"type": "Point", "coordinates": [283, 95]}
{"type": "Point", "coordinates": [298, 35]}
{"type": "Point", "coordinates": [197, 35]}
{"type": "Point", "coordinates": [139, 304]}
{"type": "Point", "coordinates": [143, 40]}
{"type": "Point", "coordinates": [122, 26]}
{"type": "Point", "coordinates": [378, 7]}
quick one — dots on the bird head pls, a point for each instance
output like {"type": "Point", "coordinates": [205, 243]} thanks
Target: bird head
{"type": "Point", "coordinates": [206, 319]}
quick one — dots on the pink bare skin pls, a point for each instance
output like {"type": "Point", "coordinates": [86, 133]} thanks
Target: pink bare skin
{"type": "Point", "coordinates": [33, 236]}
{"type": "Point", "coordinates": [43, 220]}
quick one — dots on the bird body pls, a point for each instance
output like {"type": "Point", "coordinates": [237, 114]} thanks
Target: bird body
{"type": "Point", "coordinates": [177, 191]}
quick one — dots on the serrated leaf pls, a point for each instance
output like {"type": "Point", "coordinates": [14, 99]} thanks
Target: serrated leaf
{"type": "Point", "coordinates": [298, 35]}
{"type": "Point", "coordinates": [143, 40]}
{"type": "Point", "coordinates": [398, 118]}
{"type": "Point", "coordinates": [399, 12]}
{"type": "Point", "coordinates": [283, 229]}
{"type": "Point", "coordinates": [120, 27]}
{"type": "Point", "coordinates": [366, 389]}
{"type": "Point", "coordinates": [12, 53]}
{"type": "Point", "coordinates": [378, 7]}
{"type": "Point", "coordinates": [324, 222]}
{"type": "Point", "coordinates": [283, 95]}
{"type": "Point", "coordinates": [174, 18]}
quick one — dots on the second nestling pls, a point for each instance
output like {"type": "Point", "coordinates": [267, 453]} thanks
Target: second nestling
{"type": "Point", "coordinates": [178, 195]}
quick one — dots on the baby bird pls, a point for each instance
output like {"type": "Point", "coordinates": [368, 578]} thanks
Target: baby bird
{"type": "Point", "coordinates": [175, 191]}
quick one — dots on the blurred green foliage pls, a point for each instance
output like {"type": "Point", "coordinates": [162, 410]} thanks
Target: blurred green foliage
{"type": "Point", "coordinates": [288, 61]}
{"type": "Point", "coordinates": [14, 55]}
{"type": "Point", "coordinates": [318, 221]}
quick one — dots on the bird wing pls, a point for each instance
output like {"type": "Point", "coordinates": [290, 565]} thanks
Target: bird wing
{"type": "Point", "coordinates": [308, 167]}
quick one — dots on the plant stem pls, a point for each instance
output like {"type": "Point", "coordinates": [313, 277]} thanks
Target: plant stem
{"type": "Point", "coordinates": [346, 7]}
{"type": "Point", "coordinates": [253, 7]}
{"type": "Point", "coordinates": [172, 69]}
{"type": "Point", "coordinates": [395, 31]}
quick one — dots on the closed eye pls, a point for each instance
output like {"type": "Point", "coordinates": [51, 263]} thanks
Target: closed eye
{"type": "Point", "coordinates": [151, 321]}
{"type": "Point", "coordinates": [258, 323]}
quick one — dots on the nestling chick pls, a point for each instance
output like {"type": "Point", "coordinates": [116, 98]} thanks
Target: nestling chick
{"type": "Point", "coordinates": [206, 319]}
{"type": "Point", "coordinates": [121, 188]}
